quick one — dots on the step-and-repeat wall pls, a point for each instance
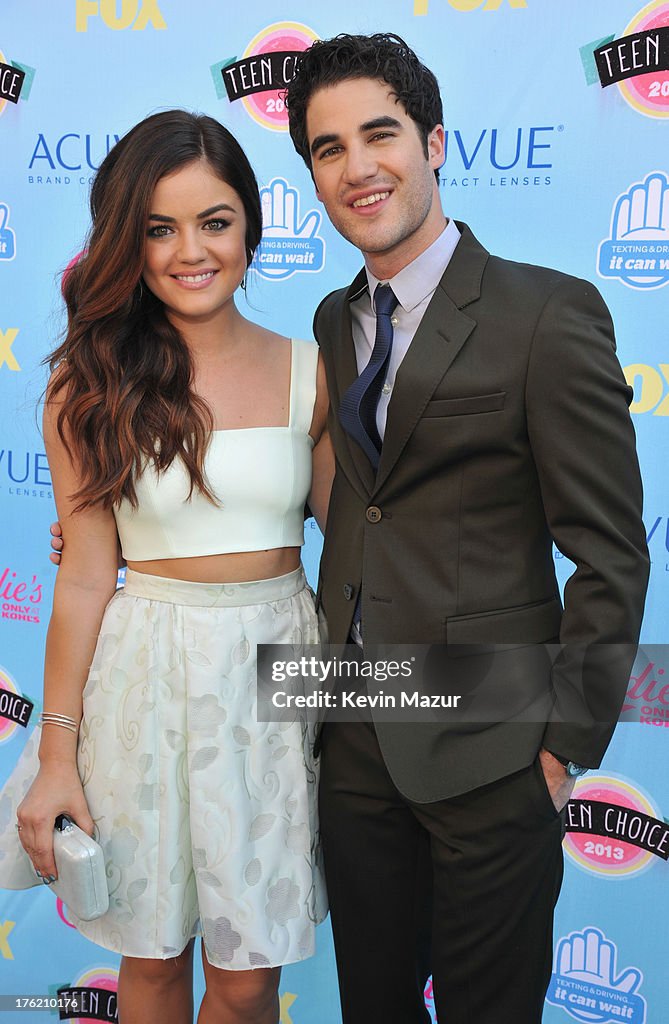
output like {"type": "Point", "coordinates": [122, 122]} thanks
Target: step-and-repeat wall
{"type": "Point", "coordinates": [557, 126]}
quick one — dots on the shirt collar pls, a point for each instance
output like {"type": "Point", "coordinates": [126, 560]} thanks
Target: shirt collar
{"type": "Point", "coordinates": [420, 277]}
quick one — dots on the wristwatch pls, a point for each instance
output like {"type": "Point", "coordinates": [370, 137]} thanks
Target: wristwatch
{"type": "Point", "coordinates": [572, 769]}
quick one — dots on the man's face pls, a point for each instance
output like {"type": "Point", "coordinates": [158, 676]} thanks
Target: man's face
{"type": "Point", "coordinates": [372, 174]}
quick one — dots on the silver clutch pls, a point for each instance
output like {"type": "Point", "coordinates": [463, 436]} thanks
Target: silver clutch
{"type": "Point", "coordinates": [81, 882]}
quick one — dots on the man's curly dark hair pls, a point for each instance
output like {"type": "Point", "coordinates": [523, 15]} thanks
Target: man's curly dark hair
{"type": "Point", "coordinates": [383, 56]}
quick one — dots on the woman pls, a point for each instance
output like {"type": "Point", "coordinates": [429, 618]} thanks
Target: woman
{"type": "Point", "coordinates": [173, 423]}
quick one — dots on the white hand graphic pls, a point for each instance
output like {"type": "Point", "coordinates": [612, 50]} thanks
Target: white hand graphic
{"type": "Point", "coordinates": [643, 212]}
{"type": "Point", "coordinates": [590, 957]}
{"type": "Point", "coordinates": [7, 235]}
{"type": "Point", "coordinates": [280, 206]}
{"type": "Point", "coordinates": [287, 246]}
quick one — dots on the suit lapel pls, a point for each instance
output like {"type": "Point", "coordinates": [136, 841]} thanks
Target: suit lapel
{"type": "Point", "coordinates": [443, 331]}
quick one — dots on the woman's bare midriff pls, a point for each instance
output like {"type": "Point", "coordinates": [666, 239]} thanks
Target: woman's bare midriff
{"type": "Point", "coordinates": [237, 567]}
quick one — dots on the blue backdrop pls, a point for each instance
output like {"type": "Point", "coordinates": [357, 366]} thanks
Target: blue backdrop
{"type": "Point", "coordinates": [556, 155]}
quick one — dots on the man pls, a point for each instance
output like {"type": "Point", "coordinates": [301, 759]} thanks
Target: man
{"type": "Point", "coordinates": [502, 424]}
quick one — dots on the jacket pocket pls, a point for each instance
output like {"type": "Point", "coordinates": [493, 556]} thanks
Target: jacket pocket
{"type": "Point", "coordinates": [465, 406]}
{"type": "Point", "coordinates": [533, 623]}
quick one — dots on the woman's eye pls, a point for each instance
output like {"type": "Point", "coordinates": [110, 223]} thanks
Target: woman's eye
{"type": "Point", "coordinates": [217, 225]}
{"type": "Point", "coordinates": [158, 231]}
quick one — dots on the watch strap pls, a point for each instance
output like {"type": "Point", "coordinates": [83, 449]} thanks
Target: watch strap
{"type": "Point", "coordinates": [571, 767]}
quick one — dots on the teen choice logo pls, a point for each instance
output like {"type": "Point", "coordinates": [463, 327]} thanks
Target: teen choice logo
{"type": "Point", "coordinates": [10, 699]}
{"type": "Point", "coordinates": [613, 828]}
{"type": "Point", "coordinates": [15, 81]}
{"type": "Point", "coordinates": [3, 102]}
{"type": "Point", "coordinates": [92, 996]}
{"type": "Point", "coordinates": [268, 64]}
{"type": "Point", "coordinates": [649, 93]}
{"type": "Point", "coordinates": [10, 82]}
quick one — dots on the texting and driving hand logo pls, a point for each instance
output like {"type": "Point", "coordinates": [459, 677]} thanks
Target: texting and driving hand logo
{"type": "Point", "coordinates": [288, 246]}
{"type": "Point", "coordinates": [587, 985]}
{"type": "Point", "coordinates": [637, 250]}
{"type": "Point", "coordinates": [7, 235]}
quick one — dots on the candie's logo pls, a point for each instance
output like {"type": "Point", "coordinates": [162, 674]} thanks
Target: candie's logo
{"type": "Point", "coordinates": [20, 599]}
{"type": "Point", "coordinates": [637, 61]}
{"type": "Point", "coordinates": [637, 249]}
{"type": "Point", "coordinates": [613, 829]}
{"type": "Point", "coordinates": [135, 14]}
{"type": "Point", "coordinates": [647, 697]}
{"type": "Point", "coordinates": [288, 247]}
{"type": "Point", "coordinates": [15, 710]}
{"type": "Point", "coordinates": [265, 69]}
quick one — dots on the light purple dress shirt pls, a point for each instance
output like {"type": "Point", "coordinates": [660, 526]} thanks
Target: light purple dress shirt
{"type": "Point", "coordinates": [413, 287]}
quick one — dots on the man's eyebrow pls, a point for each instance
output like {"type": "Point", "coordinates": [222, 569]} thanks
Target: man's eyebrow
{"type": "Point", "coordinates": [322, 140]}
{"type": "Point", "coordinates": [384, 121]}
{"type": "Point", "coordinates": [380, 122]}
{"type": "Point", "coordinates": [200, 216]}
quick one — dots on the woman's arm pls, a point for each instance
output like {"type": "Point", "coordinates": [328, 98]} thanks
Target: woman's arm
{"type": "Point", "coordinates": [322, 459]}
{"type": "Point", "coordinates": [86, 581]}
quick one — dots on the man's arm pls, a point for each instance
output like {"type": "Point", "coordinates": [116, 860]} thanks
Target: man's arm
{"type": "Point", "coordinates": [583, 445]}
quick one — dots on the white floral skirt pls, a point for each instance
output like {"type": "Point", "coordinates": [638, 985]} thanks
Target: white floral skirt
{"type": "Point", "coordinates": [207, 818]}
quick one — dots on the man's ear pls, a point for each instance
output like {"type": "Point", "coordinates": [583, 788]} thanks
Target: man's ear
{"type": "Point", "coordinates": [436, 146]}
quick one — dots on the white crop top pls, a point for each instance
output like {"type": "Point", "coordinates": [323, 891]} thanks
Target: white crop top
{"type": "Point", "coordinates": [260, 475]}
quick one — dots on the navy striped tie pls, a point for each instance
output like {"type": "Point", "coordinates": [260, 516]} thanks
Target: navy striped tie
{"type": "Point", "coordinates": [357, 409]}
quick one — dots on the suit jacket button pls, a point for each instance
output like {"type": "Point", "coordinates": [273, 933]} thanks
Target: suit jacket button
{"type": "Point", "coordinates": [373, 514]}
{"type": "Point", "coordinates": [348, 591]}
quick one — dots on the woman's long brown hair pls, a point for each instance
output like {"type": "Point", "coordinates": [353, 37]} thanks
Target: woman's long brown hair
{"type": "Point", "coordinates": [123, 374]}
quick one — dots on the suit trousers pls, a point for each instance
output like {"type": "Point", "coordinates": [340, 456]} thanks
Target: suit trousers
{"type": "Point", "coordinates": [463, 889]}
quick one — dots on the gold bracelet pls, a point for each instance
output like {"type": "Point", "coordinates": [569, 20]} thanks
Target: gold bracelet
{"type": "Point", "coordinates": [64, 721]}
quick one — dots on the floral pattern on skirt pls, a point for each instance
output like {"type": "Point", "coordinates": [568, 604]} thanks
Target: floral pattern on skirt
{"type": "Point", "coordinates": [207, 818]}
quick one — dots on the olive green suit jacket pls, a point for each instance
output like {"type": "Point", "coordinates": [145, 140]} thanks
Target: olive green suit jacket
{"type": "Point", "coordinates": [508, 429]}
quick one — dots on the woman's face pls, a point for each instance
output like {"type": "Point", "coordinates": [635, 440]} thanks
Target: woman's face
{"type": "Point", "coordinates": [196, 244]}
